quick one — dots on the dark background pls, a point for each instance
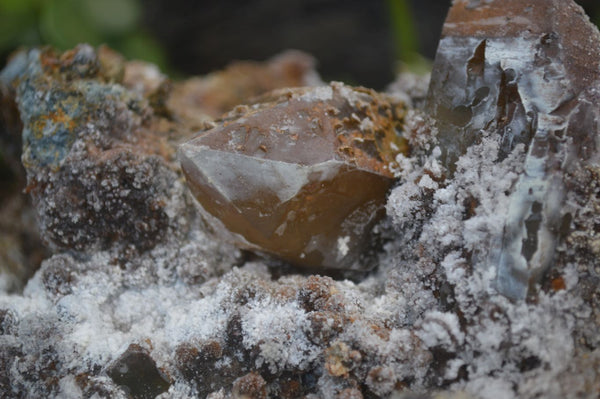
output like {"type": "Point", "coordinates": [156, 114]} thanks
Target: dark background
{"type": "Point", "coordinates": [357, 41]}
{"type": "Point", "coordinates": [353, 40]}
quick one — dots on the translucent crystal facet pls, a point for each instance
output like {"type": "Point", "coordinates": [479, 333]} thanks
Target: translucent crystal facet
{"type": "Point", "coordinates": [528, 71]}
{"type": "Point", "coordinates": [303, 175]}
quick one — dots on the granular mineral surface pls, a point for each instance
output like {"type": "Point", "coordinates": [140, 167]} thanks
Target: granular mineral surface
{"type": "Point", "coordinates": [138, 297]}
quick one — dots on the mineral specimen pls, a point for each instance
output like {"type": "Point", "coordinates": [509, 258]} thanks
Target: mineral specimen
{"type": "Point", "coordinates": [302, 175]}
{"type": "Point", "coordinates": [185, 317]}
{"type": "Point", "coordinates": [136, 372]}
{"type": "Point", "coordinates": [98, 136]}
{"type": "Point", "coordinates": [528, 71]}
{"type": "Point", "coordinates": [21, 251]}
{"type": "Point", "coordinates": [199, 99]}
{"type": "Point", "coordinates": [84, 135]}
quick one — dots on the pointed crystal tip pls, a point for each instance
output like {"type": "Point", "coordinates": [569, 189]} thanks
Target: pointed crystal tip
{"type": "Point", "coordinates": [302, 175]}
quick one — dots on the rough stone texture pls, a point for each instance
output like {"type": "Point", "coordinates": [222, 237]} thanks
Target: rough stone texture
{"type": "Point", "coordinates": [98, 148]}
{"type": "Point", "coordinates": [462, 199]}
{"type": "Point", "coordinates": [21, 250]}
{"type": "Point", "coordinates": [97, 174]}
{"type": "Point", "coordinates": [221, 91]}
{"type": "Point", "coordinates": [428, 322]}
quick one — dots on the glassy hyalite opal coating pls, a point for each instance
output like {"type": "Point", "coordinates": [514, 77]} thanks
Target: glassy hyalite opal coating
{"type": "Point", "coordinates": [302, 174]}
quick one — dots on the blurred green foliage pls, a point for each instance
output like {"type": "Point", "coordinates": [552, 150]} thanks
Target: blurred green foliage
{"type": "Point", "coordinates": [406, 39]}
{"type": "Point", "coordinates": [65, 23]}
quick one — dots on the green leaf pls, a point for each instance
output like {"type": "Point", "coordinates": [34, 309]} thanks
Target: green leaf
{"type": "Point", "coordinates": [405, 34]}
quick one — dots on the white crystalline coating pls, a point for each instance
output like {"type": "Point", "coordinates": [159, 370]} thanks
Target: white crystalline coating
{"type": "Point", "coordinates": [453, 369]}
{"type": "Point", "coordinates": [541, 86]}
{"type": "Point", "coordinates": [68, 388]}
{"type": "Point", "coordinates": [403, 204]}
{"type": "Point", "coordinates": [343, 246]}
{"type": "Point", "coordinates": [352, 96]}
{"type": "Point", "coordinates": [487, 183]}
{"type": "Point", "coordinates": [320, 93]}
{"type": "Point", "coordinates": [491, 388]}
{"type": "Point", "coordinates": [454, 267]}
{"type": "Point", "coordinates": [198, 319]}
{"type": "Point", "coordinates": [427, 182]}
{"type": "Point", "coordinates": [367, 124]}
{"type": "Point", "coordinates": [441, 329]}
{"type": "Point", "coordinates": [109, 308]}
{"type": "Point", "coordinates": [236, 177]}
{"type": "Point", "coordinates": [490, 21]}
{"type": "Point", "coordinates": [282, 340]}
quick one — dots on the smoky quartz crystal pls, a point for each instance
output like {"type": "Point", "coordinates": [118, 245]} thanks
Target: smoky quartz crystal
{"type": "Point", "coordinates": [528, 71]}
{"type": "Point", "coordinates": [302, 174]}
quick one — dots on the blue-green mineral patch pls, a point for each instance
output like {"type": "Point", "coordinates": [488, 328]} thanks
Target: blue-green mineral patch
{"type": "Point", "coordinates": [58, 97]}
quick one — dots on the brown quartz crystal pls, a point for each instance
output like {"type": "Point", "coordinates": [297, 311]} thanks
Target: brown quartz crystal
{"type": "Point", "coordinates": [528, 71]}
{"type": "Point", "coordinates": [301, 175]}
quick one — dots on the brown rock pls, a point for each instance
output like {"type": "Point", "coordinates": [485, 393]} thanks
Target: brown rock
{"type": "Point", "coordinates": [250, 386]}
{"type": "Point", "coordinates": [340, 359]}
{"type": "Point", "coordinates": [136, 372]}
{"type": "Point", "coordinates": [201, 99]}
{"type": "Point", "coordinates": [302, 176]}
{"type": "Point", "coordinates": [350, 393]}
